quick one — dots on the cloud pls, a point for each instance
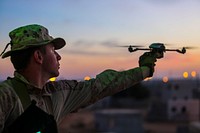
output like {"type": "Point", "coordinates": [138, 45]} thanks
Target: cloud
{"type": "Point", "coordinates": [96, 48]}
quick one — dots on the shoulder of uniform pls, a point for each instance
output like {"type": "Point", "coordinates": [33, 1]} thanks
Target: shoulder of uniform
{"type": "Point", "coordinates": [6, 88]}
{"type": "Point", "coordinates": [61, 85]}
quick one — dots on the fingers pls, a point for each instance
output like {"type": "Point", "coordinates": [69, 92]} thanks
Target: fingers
{"type": "Point", "coordinates": [148, 59]}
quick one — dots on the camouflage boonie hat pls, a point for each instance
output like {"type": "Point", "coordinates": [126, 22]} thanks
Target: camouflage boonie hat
{"type": "Point", "coordinates": [31, 36]}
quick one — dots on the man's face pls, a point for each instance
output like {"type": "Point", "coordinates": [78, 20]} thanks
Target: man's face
{"type": "Point", "coordinates": [51, 61]}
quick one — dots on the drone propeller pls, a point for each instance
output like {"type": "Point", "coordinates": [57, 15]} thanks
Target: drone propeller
{"type": "Point", "coordinates": [183, 49]}
{"type": "Point", "coordinates": [190, 47]}
{"type": "Point", "coordinates": [134, 46]}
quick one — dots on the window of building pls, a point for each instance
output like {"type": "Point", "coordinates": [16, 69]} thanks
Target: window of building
{"type": "Point", "coordinates": [183, 109]}
{"type": "Point", "coordinates": [173, 109]}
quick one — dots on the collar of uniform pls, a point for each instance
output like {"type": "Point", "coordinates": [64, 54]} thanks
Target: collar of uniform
{"type": "Point", "coordinates": [30, 88]}
{"type": "Point", "coordinates": [20, 77]}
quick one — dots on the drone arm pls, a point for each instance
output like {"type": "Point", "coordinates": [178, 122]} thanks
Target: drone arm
{"type": "Point", "coordinates": [177, 50]}
{"type": "Point", "coordinates": [130, 49]}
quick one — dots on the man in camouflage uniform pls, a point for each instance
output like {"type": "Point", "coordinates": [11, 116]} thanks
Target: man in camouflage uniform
{"type": "Point", "coordinates": [35, 59]}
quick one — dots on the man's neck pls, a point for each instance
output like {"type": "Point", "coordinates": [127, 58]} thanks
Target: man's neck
{"type": "Point", "coordinates": [35, 78]}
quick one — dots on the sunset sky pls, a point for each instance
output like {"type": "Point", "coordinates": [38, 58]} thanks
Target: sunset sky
{"type": "Point", "coordinates": [93, 29]}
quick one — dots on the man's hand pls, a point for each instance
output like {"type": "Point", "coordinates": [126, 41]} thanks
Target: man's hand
{"type": "Point", "coordinates": [148, 59]}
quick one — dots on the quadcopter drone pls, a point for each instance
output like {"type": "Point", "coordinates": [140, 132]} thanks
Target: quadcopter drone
{"type": "Point", "coordinates": [157, 48]}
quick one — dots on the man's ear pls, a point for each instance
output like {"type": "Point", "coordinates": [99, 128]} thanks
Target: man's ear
{"type": "Point", "coordinates": [38, 56]}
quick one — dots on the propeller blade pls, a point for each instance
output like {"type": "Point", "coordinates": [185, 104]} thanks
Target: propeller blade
{"type": "Point", "coordinates": [134, 46]}
{"type": "Point", "coordinates": [191, 47]}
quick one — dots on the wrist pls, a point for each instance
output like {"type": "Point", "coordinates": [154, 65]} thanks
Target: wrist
{"type": "Point", "coordinates": [145, 71]}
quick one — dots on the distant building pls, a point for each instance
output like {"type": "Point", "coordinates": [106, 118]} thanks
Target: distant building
{"type": "Point", "coordinates": [183, 110]}
{"type": "Point", "coordinates": [119, 121]}
{"type": "Point", "coordinates": [176, 100]}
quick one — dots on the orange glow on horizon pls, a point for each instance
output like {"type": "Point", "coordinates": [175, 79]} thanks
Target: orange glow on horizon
{"type": "Point", "coordinates": [77, 66]}
{"type": "Point", "coordinates": [87, 78]}
{"type": "Point", "coordinates": [185, 74]}
{"type": "Point", "coordinates": [165, 79]}
{"type": "Point", "coordinates": [193, 74]}
{"type": "Point", "coordinates": [52, 79]}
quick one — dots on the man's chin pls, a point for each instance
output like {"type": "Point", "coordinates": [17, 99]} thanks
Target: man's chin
{"type": "Point", "coordinates": [55, 74]}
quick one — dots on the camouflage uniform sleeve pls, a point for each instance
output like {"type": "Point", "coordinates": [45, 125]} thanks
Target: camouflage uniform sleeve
{"type": "Point", "coordinates": [110, 82]}
{"type": "Point", "coordinates": [2, 118]}
{"type": "Point", "coordinates": [4, 103]}
{"type": "Point", "coordinates": [8, 105]}
{"type": "Point", "coordinates": [80, 94]}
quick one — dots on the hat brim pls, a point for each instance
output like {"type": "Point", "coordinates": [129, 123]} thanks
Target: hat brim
{"type": "Point", "coordinates": [57, 42]}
